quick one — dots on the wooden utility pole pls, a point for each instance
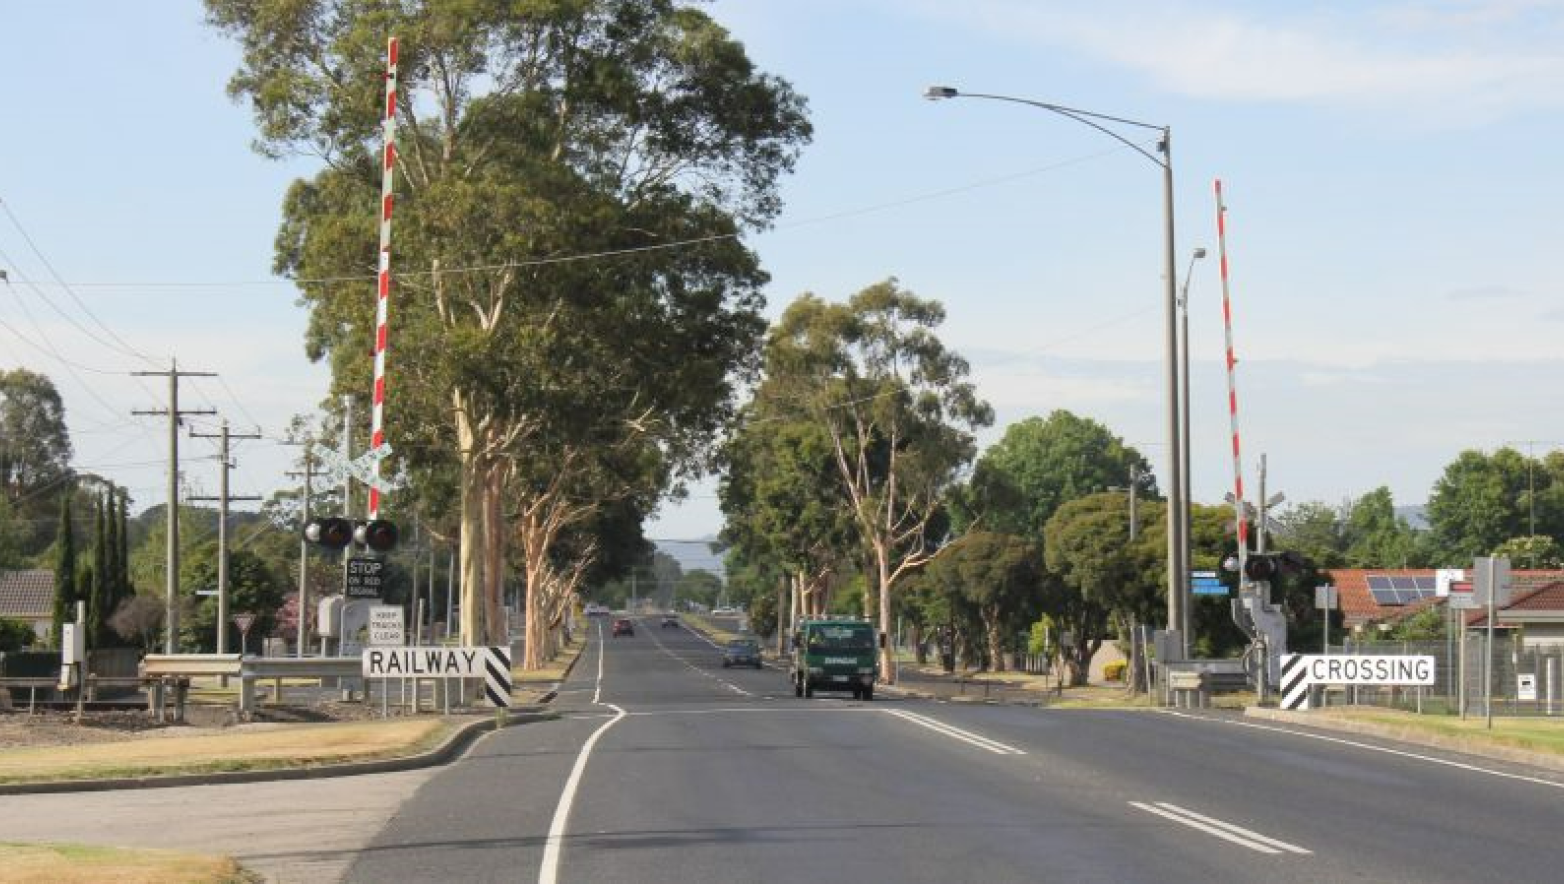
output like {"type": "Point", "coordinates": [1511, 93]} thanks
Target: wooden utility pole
{"type": "Point", "coordinates": [223, 498]}
{"type": "Point", "coordinates": [171, 588]}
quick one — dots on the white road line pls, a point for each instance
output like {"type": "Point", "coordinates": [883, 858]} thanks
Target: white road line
{"type": "Point", "coordinates": [1236, 830]}
{"type": "Point", "coordinates": [954, 732]}
{"type": "Point", "coordinates": [598, 693]}
{"type": "Point", "coordinates": [1222, 832]}
{"type": "Point", "coordinates": [548, 873]}
{"type": "Point", "coordinates": [1372, 748]}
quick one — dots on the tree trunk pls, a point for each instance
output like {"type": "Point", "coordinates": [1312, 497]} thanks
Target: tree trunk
{"type": "Point", "coordinates": [919, 652]}
{"type": "Point", "coordinates": [882, 564]}
{"type": "Point", "coordinates": [782, 612]}
{"type": "Point", "coordinates": [472, 534]}
{"type": "Point", "coordinates": [494, 556]}
{"type": "Point", "coordinates": [996, 647]}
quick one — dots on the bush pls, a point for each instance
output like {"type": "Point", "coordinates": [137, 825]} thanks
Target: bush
{"type": "Point", "coordinates": [1115, 671]}
{"type": "Point", "coordinates": [15, 635]}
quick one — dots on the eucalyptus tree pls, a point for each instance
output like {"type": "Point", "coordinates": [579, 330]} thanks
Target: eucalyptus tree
{"type": "Point", "coordinates": [1110, 582]}
{"type": "Point", "coordinates": [784, 499]}
{"type": "Point", "coordinates": [534, 137]}
{"type": "Point", "coordinates": [1000, 575]}
{"type": "Point", "coordinates": [897, 411]}
{"type": "Point", "coordinates": [1039, 465]}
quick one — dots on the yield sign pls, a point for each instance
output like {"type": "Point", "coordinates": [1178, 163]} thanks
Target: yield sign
{"type": "Point", "coordinates": [243, 621]}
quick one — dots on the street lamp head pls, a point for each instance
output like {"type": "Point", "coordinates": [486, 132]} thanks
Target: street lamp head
{"type": "Point", "coordinates": [935, 93]}
{"type": "Point", "coordinates": [1200, 253]}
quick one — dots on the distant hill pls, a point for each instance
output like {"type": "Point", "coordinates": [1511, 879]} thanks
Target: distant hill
{"type": "Point", "coordinates": [693, 555]}
{"type": "Point", "coordinates": [1416, 515]}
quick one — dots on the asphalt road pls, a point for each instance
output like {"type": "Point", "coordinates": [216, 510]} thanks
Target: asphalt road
{"type": "Point", "coordinates": [667, 767]}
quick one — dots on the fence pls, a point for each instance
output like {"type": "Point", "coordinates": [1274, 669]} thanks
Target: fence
{"type": "Point", "coordinates": [1542, 667]}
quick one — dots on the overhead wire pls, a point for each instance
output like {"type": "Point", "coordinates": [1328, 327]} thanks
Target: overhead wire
{"type": "Point", "coordinates": [120, 343]}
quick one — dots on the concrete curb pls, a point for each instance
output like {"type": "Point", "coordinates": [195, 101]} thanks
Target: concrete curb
{"type": "Point", "coordinates": [1545, 760]}
{"type": "Point", "coordinates": [453, 747]}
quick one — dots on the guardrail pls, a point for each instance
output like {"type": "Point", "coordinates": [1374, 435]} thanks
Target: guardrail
{"type": "Point", "coordinates": [279, 668]}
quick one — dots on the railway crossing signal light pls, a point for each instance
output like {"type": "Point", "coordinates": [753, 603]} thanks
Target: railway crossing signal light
{"type": "Point", "coordinates": [376, 534]}
{"type": "Point", "coordinates": [330, 533]}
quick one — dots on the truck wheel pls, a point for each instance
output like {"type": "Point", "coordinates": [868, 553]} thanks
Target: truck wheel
{"type": "Point", "coordinates": [868, 693]}
{"type": "Point", "coordinates": [798, 688]}
{"type": "Point", "coordinates": [809, 689]}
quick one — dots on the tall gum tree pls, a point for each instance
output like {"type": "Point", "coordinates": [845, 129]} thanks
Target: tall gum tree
{"type": "Point", "coordinates": [898, 413]}
{"type": "Point", "coordinates": [531, 134]}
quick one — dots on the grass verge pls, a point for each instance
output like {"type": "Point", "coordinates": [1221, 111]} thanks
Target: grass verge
{"type": "Point", "coordinates": [1532, 735]}
{"type": "Point", "coordinates": [552, 671]}
{"type": "Point", "coordinates": [304, 745]}
{"type": "Point", "coordinates": [81, 864]}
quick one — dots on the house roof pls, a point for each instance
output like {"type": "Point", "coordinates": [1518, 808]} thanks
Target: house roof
{"type": "Point", "coordinates": [1540, 603]}
{"type": "Point", "coordinates": [26, 595]}
{"type": "Point", "coordinates": [1358, 605]}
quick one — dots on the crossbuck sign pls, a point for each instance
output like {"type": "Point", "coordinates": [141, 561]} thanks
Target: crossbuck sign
{"type": "Point", "coordinates": [1300, 671]}
{"type": "Point", "coordinates": [490, 664]}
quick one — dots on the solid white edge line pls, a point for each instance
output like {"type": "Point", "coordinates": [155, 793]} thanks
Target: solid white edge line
{"type": "Point", "coordinates": [1209, 830]}
{"type": "Point", "coordinates": [1235, 829]}
{"type": "Point", "coordinates": [954, 733]}
{"type": "Point", "coordinates": [1372, 748]}
{"type": "Point", "coordinates": [548, 873]}
{"type": "Point", "coordinates": [601, 649]}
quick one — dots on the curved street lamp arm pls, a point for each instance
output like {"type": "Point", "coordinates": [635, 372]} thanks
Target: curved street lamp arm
{"type": "Point", "coordinates": [1082, 116]}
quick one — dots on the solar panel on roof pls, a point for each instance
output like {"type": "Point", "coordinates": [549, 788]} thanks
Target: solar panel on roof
{"type": "Point", "coordinates": [1427, 583]}
{"type": "Point", "coordinates": [1386, 597]}
{"type": "Point", "coordinates": [1378, 582]}
{"type": "Point", "coordinates": [1400, 582]}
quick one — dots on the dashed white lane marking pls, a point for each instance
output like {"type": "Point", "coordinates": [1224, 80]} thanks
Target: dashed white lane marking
{"type": "Point", "coordinates": [548, 873]}
{"type": "Point", "coordinates": [1224, 830]}
{"type": "Point", "coordinates": [696, 669]}
{"type": "Point", "coordinates": [955, 733]}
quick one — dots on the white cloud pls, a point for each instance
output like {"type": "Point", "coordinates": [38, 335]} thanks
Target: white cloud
{"type": "Point", "coordinates": [1361, 55]}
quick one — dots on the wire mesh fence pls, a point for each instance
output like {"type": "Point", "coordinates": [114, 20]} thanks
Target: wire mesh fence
{"type": "Point", "coordinates": [1515, 680]}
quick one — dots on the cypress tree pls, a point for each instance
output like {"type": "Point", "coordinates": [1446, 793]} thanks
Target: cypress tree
{"type": "Point", "coordinates": [116, 589]}
{"type": "Point", "coordinates": [125, 589]}
{"type": "Point", "coordinates": [65, 592]}
{"type": "Point", "coordinates": [99, 599]}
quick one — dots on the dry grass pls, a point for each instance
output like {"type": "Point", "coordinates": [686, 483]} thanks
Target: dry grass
{"type": "Point", "coordinates": [552, 671]}
{"type": "Point", "coordinates": [81, 864]}
{"type": "Point", "coordinates": [1530, 734]}
{"type": "Point", "coordinates": [243, 749]}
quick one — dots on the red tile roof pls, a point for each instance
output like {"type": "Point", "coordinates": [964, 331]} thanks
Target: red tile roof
{"type": "Point", "coordinates": [1358, 605]}
{"type": "Point", "coordinates": [1546, 599]}
{"type": "Point", "coordinates": [26, 595]}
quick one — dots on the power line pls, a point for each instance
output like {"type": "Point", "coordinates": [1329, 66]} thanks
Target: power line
{"type": "Point", "coordinates": [123, 346]}
{"type": "Point", "coordinates": [615, 253]}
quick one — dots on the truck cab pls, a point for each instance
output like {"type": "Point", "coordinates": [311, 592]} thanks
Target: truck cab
{"type": "Point", "coordinates": [834, 655]}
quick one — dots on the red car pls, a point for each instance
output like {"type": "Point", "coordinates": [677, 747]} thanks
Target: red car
{"type": "Point", "coordinates": [623, 626]}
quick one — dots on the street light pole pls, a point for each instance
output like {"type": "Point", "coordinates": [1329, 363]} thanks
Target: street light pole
{"type": "Point", "coordinates": [1177, 564]}
{"type": "Point", "coordinates": [1183, 430]}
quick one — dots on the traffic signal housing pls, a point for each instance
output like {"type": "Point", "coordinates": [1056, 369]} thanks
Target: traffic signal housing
{"type": "Point", "coordinates": [377, 534]}
{"type": "Point", "coordinates": [332, 533]}
{"type": "Point", "coordinates": [1270, 566]}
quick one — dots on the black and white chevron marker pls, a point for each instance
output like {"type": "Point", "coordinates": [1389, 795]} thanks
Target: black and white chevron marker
{"type": "Point", "coordinates": [496, 677]}
{"type": "Point", "coordinates": [1295, 682]}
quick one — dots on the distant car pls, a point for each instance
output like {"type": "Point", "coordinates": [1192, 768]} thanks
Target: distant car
{"type": "Point", "coordinates": [741, 652]}
{"type": "Point", "coordinates": [670, 621]}
{"type": "Point", "coordinates": [623, 626]}
{"type": "Point", "coordinates": [593, 609]}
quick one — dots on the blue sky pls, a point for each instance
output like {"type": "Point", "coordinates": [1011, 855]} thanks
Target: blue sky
{"type": "Point", "coordinates": [1390, 170]}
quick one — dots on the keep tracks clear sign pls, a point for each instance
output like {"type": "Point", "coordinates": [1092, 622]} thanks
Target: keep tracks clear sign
{"type": "Point", "coordinates": [490, 664]}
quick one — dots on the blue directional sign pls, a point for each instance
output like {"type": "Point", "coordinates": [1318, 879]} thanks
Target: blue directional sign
{"type": "Point", "coordinates": [1203, 585]}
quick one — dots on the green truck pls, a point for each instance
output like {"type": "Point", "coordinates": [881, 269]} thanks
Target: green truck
{"type": "Point", "coordinates": [834, 655]}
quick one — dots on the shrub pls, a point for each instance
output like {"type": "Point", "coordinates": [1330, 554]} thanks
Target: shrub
{"type": "Point", "coordinates": [1115, 671]}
